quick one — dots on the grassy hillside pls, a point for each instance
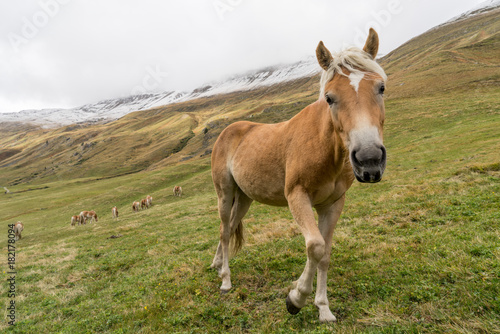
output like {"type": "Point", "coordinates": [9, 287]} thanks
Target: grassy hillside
{"type": "Point", "coordinates": [417, 252]}
{"type": "Point", "coordinates": [458, 56]}
{"type": "Point", "coordinates": [140, 140]}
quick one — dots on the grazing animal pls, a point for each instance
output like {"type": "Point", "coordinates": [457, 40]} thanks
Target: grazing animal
{"type": "Point", "coordinates": [307, 162]}
{"type": "Point", "coordinates": [144, 204]}
{"type": "Point", "coordinates": [18, 228]}
{"type": "Point", "coordinates": [178, 191]}
{"type": "Point", "coordinates": [114, 212]}
{"type": "Point", "coordinates": [150, 200]}
{"type": "Point", "coordinates": [83, 220]}
{"type": "Point", "coordinates": [136, 206]}
{"type": "Point", "coordinates": [88, 215]}
{"type": "Point", "coordinates": [75, 220]}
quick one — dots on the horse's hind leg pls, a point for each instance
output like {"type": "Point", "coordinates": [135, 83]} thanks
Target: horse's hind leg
{"type": "Point", "coordinates": [233, 205]}
{"type": "Point", "coordinates": [224, 202]}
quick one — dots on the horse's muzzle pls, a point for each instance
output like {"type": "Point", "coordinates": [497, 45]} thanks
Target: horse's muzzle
{"type": "Point", "coordinates": [368, 164]}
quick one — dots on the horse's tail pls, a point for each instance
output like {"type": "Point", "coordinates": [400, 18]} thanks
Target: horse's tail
{"type": "Point", "coordinates": [237, 239]}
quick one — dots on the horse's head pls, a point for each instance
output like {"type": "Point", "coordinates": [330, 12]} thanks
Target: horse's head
{"type": "Point", "coordinates": [352, 87]}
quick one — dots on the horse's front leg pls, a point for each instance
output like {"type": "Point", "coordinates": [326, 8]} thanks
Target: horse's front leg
{"type": "Point", "coordinates": [301, 208]}
{"type": "Point", "coordinates": [328, 217]}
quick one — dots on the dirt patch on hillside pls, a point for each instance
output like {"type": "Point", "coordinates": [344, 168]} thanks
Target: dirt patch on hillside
{"type": "Point", "coordinates": [5, 154]}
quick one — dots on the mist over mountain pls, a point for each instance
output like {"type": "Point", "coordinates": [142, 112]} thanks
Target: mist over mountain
{"type": "Point", "coordinates": [112, 109]}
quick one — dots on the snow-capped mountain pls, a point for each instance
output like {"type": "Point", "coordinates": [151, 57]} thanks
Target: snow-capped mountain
{"type": "Point", "coordinates": [481, 8]}
{"type": "Point", "coordinates": [112, 109]}
{"type": "Point", "coordinates": [109, 110]}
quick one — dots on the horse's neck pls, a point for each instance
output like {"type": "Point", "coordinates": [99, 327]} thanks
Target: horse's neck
{"type": "Point", "coordinates": [317, 118]}
{"type": "Point", "coordinates": [315, 123]}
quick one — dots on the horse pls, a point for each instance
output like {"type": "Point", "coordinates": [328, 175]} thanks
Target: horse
{"type": "Point", "coordinates": [135, 206]}
{"type": "Point", "coordinates": [144, 204]}
{"type": "Point", "coordinates": [150, 200]}
{"type": "Point", "coordinates": [114, 212]}
{"type": "Point", "coordinates": [18, 228]}
{"type": "Point", "coordinates": [178, 191]}
{"type": "Point", "coordinates": [307, 162]}
{"type": "Point", "coordinates": [84, 215]}
{"type": "Point", "coordinates": [94, 216]}
{"type": "Point", "coordinates": [75, 220]}
{"type": "Point", "coordinates": [83, 219]}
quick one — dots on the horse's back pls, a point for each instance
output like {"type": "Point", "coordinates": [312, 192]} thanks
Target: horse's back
{"type": "Point", "coordinates": [229, 139]}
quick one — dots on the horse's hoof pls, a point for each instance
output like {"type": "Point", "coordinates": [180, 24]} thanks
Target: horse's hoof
{"type": "Point", "coordinates": [292, 309]}
{"type": "Point", "coordinates": [216, 266]}
{"type": "Point", "coordinates": [223, 292]}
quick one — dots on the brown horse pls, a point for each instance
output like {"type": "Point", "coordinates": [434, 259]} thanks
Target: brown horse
{"type": "Point", "coordinates": [149, 199]}
{"type": "Point", "coordinates": [75, 220]}
{"type": "Point", "coordinates": [88, 215]}
{"type": "Point", "coordinates": [136, 206]}
{"type": "Point", "coordinates": [178, 191]}
{"type": "Point", "coordinates": [18, 228]}
{"type": "Point", "coordinates": [114, 212]}
{"type": "Point", "coordinates": [144, 204]}
{"type": "Point", "coordinates": [307, 162]}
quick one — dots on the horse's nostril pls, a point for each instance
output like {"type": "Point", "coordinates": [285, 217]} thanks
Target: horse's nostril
{"type": "Point", "coordinates": [366, 176]}
{"type": "Point", "coordinates": [354, 159]}
{"type": "Point", "coordinates": [384, 153]}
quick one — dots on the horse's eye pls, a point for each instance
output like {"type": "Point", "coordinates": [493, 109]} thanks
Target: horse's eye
{"type": "Point", "coordinates": [329, 99]}
{"type": "Point", "coordinates": [381, 90]}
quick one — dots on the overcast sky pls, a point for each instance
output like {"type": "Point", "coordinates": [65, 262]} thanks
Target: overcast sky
{"type": "Point", "coordinates": [66, 53]}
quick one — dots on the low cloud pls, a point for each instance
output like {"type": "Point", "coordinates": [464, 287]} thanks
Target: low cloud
{"type": "Point", "coordinates": [65, 53]}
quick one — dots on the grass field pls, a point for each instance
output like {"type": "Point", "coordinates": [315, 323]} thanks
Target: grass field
{"type": "Point", "coordinates": [418, 252]}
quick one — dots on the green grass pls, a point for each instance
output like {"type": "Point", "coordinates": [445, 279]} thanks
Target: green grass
{"type": "Point", "coordinates": [417, 253]}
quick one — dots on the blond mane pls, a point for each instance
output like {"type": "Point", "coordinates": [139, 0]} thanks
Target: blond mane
{"type": "Point", "coordinates": [354, 60]}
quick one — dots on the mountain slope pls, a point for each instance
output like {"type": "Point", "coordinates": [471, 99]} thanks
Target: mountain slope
{"type": "Point", "coordinates": [459, 57]}
{"type": "Point", "coordinates": [109, 110]}
{"type": "Point", "coordinates": [462, 54]}
{"type": "Point", "coordinates": [139, 139]}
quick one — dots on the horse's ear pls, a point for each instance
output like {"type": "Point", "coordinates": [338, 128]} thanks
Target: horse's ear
{"type": "Point", "coordinates": [324, 56]}
{"type": "Point", "coordinates": [371, 45]}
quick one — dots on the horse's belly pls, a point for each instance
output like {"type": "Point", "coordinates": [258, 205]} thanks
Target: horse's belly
{"type": "Point", "coordinates": [264, 184]}
{"type": "Point", "coordinates": [267, 195]}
